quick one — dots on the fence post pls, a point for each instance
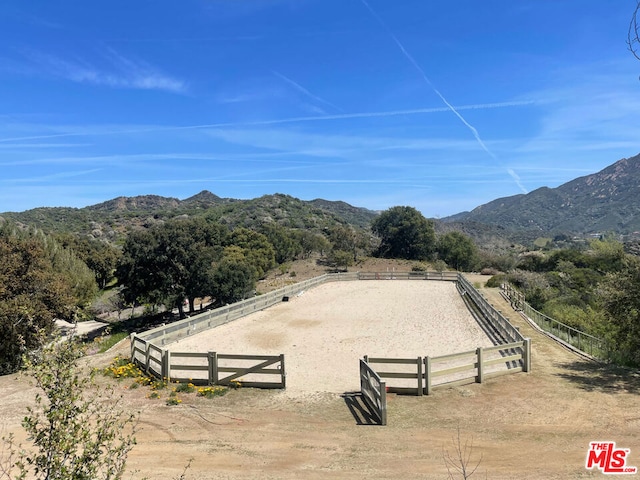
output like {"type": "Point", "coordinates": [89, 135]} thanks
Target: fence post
{"type": "Point", "coordinates": [420, 388]}
{"type": "Point", "coordinates": [479, 378]}
{"type": "Point", "coordinates": [212, 360]}
{"type": "Point", "coordinates": [147, 355]}
{"type": "Point", "coordinates": [579, 342]}
{"type": "Point", "coordinates": [166, 374]}
{"type": "Point", "coordinates": [132, 339]}
{"type": "Point", "coordinates": [283, 373]}
{"type": "Point", "coordinates": [427, 375]}
{"type": "Point", "coordinates": [383, 403]}
{"type": "Point", "coordinates": [527, 355]}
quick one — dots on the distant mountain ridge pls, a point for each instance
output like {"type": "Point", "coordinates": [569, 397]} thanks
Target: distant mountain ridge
{"type": "Point", "coordinates": [141, 202]}
{"type": "Point", "coordinates": [114, 218]}
{"type": "Point", "coordinates": [607, 201]}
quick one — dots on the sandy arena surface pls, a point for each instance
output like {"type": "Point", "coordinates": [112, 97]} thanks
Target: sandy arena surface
{"type": "Point", "coordinates": [326, 330]}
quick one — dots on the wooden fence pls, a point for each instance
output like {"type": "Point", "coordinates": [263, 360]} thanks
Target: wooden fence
{"type": "Point", "coordinates": [374, 392]}
{"type": "Point", "coordinates": [420, 375]}
{"type": "Point", "coordinates": [444, 276]}
{"type": "Point", "coordinates": [499, 322]}
{"type": "Point", "coordinates": [585, 343]}
{"type": "Point", "coordinates": [210, 368]}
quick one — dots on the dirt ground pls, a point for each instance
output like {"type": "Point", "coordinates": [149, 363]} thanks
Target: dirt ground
{"type": "Point", "coordinates": [535, 425]}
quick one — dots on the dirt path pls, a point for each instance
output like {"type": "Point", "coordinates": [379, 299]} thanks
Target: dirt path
{"type": "Point", "coordinates": [532, 426]}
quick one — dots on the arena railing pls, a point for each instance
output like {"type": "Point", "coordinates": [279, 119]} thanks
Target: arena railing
{"type": "Point", "coordinates": [147, 351]}
{"type": "Point", "coordinates": [496, 319]}
{"type": "Point", "coordinates": [587, 344]}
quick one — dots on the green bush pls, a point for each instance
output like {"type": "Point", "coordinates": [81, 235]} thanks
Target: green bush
{"type": "Point", "coordinates": [185, 387]}
{"type": "Point", "coordinates": [496, 280]}
{"type": "Point", "coordinates": [77, 430]}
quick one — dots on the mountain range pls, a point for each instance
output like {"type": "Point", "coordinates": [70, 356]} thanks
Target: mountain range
{"type": "Point", "coordinates": [606, 201]}
{"type": "Point", "coordinates": [111, 220]}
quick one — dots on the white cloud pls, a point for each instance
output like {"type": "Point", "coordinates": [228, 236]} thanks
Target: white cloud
{"type": "Point", "coordinates": [117, 71]}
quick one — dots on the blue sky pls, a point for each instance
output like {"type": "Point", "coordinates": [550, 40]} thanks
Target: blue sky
{"type": "Point", "coordinates": [439, 105]}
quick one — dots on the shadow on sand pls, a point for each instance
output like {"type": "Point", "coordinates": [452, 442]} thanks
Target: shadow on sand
{"type": "Point", "coordinates": [359, 408]}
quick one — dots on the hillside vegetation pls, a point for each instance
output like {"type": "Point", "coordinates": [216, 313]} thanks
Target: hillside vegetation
{"type": "Point", "coordinates": [113, 219]}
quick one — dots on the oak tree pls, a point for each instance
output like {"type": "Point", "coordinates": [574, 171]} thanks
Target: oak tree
{"type": "Point", "coordinates": [404, 233]}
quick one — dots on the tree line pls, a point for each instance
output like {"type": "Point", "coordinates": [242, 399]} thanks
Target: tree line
{"type": "Point", "coordinates": [40, 281]}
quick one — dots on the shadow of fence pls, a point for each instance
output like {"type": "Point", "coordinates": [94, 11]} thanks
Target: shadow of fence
{"type": "Point", "coordinates": [359, 409]}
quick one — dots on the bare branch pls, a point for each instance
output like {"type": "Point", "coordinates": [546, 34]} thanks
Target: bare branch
{"type": "Point", "coordinates": [459, 463]}
{"type": "Point", "coordinates": [633, 37]}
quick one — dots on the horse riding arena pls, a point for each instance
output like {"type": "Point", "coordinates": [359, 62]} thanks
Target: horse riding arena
{"type": "Point", "coordinates": [530, 426]}
{"type": "Point", "coordinates": [324, 331]}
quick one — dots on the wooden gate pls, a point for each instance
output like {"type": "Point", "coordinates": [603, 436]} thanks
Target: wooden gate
{"type": "Point", "coordinates": [245, 370]}
{"type": "Point", "coordinates": [373, 391]}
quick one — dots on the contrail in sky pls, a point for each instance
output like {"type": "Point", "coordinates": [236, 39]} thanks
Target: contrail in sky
{"type": "Point", "coordinates": [316, 118]}
{"type": "Point", "coordinates": [437, 92]}
{"type": "Point", "coordinates": [306, 92]}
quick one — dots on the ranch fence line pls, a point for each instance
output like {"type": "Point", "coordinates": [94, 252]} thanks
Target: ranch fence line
{"type": "Point", "coordinates": [206, 367]}
{"type": "Point", "coordinates": [209, 368]}
{"type": "Point", "coordinates": [374, 391]}
{"type": "Point", "coordinates": [475, 366]}
{"type": "Point", "coordinates": [488, 312]}
{"type": "Point", "coordinates": [444, 276]}
{"type": "Point", "coordinates": [587, 344]}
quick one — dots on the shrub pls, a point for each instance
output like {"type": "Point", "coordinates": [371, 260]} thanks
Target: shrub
{"type": "Point", "coordinates": [211, 392]}
{"type": "Point", "coordinates": [185, 388]}
{"type": "Point", "coordinates": [489, 271]}
{"type": "Point", "coordinates": [123, 368]}
{"type": "Point", "coordinates": [496, 280]}
{"type": "Point", "coordinates": [77, 429]}
{"type": "Point", "coordinates": [158, 384]}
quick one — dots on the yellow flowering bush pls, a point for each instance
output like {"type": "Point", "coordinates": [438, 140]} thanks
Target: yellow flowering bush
{"type": "Point", "coordinates": [123, 368]}
{"type": "Point", "coordinates": [210, 392]}
{"type": "Point", "coordinates": [185, 387]}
